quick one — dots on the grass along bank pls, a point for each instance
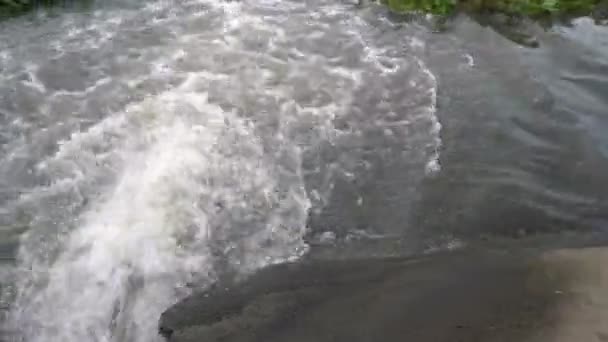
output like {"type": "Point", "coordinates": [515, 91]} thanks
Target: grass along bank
{"type": "Point", "coordinates": [534, 9]}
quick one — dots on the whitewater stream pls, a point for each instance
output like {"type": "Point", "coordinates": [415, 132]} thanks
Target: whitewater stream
{"type": "Point", "coordinates": [149, 147]}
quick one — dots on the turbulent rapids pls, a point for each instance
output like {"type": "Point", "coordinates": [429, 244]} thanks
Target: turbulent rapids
{"type": "Point", "coordinates": [148, 148]}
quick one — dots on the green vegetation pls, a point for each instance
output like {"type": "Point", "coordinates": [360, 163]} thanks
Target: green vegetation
{"type": "Point", "coordinates": [11, 8]}
{"type": "Point", "coordinates": [439, 7]}
{"type": "Point", "coordinates": [506, 16]}
{"type": "Point", "coordinates": [536, 9]}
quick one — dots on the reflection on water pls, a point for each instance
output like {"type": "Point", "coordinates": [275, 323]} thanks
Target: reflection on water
{"type": "Point", "coordinates": [523, 153]}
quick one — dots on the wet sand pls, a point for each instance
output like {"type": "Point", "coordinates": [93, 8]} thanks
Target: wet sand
{"type": "Point", "coordinates": [459, 296]}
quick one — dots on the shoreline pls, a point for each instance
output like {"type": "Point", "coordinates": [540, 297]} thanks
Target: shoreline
{"type": "Point", "coordinates": [470, 295]}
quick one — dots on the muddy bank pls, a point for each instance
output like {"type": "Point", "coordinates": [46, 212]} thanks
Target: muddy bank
{"type": "Point", "coordinates": [460, 296]}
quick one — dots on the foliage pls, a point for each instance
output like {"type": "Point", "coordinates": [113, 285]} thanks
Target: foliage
{"type": "Point", "coordinates": [11, 8]}
{"type": "Point", "coordinates": [542, 8]}
{"type": "Point", "coordinates": [438, 7]}
{"type": "Point", "coordinates": [530, 8]}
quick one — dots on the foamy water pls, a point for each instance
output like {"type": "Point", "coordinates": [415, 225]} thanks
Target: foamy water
{"type": "Point", "coordinates": [148, 149]}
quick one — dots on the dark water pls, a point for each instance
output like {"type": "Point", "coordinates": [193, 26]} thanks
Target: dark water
{"type": "Point", "coordinates": [524, 153]}
{"type": "Point", "coordinates": [522, 150]}
{"type": "Point", "coordinates": [150, 146]}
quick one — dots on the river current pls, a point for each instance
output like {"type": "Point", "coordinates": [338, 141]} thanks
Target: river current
{"type": "Point", "coordinates": [151, 147]}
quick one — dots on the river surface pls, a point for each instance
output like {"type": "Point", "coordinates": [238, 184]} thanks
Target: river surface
{"type": "Point", "coordinates": [149, 147]}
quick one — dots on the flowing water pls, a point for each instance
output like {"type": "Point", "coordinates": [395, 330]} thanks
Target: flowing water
{"type": "Point", "coordinates": [148, 147]}
{"type": "Point", "coordinates": [151, 147]}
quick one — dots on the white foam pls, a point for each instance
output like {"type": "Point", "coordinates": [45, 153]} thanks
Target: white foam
{"type": "Point", "coordinates": [149, 234]}
{"type": "Point", "coordinates": [207, 166]}
{"type": "Point", "coordinates": [433, 164]}
{"type": "Point", "coordinates": [470, 60]}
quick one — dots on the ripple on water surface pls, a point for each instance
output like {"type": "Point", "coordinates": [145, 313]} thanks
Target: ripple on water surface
{"type": "Point", "coordinates": [146, 149]}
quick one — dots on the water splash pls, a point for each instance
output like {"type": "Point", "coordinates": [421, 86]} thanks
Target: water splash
{"type": "Point", "coordinates": [185, 168]}
{"type": "Point", "coordinates": [191, 144]}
